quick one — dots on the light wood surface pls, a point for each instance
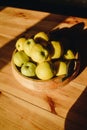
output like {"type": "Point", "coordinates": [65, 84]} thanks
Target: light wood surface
{"type": "Point", "coordinates": [59, 109]}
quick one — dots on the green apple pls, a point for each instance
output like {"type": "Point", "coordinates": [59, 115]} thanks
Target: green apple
{"type": "Point", "coordinates": [69, 55]}
{"type": "Point", "coordinates": [39, 53]}
{"type": "Point", "coordinates": [42, 35]}
{"type": "Point", "coordinates": [28, 69]}
{"type": "Point", "coordinates": [28, 45]}
{"type": "Point", "coordinates": [57, 49]}
{"type": "Point", "coordinates": [20, 58]}
{"type": "Point", "coordinates": [61, 68]}
{"type": "Point", "coordinates": [44, 71]}
{"type": "Point", "coordinates": [20, 44]}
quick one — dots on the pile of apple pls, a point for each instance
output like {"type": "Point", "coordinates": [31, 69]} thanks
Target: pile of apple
{"type": "Point", "coordinates": [41, 58]}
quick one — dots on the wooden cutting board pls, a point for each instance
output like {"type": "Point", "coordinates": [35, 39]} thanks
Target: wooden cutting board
{"type": "Point", "coordinates": [66, 103]}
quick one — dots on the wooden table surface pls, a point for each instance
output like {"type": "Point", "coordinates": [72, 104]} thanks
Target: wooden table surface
{"type": "Point", "coordinates": [22, 109]}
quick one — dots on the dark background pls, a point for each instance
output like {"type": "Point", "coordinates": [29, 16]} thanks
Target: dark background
{"type": "Point", "coordinates": [66, 7]}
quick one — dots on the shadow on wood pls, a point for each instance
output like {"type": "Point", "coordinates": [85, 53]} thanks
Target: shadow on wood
{"type": "Point", "coordinates": [77, 115]}
{"type": "Point", "coordinates": [74, 38]}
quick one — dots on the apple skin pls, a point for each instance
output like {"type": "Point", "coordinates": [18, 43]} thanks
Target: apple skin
{"type": "Point", "coordinates": [28, 69]}
{"type": "Point", "coordinates": [20, 44]}
{"type": "Point", "coordinates": [41, 35]}
{"type": "Point", "coordinates": [57, 49]}
{"type": "Point", "coordinates": [20, 58]}
{"type": "Point", "coordinates": [39, 53]}
{"type": "Point", "coordinates": [61, 68]}
{"type": "Point", "coordinates": [28, 45]}
{"type": "Point", "coordinates": [69, 55]}
{"type": "Point", "coordinates": [44, 71]}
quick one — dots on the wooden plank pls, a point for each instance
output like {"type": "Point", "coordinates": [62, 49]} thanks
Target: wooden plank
{"type": "Point", "coordinates": [57, 101]}
{"type": "Point", "coordinates": [20, 18]}
{"type": "Point", "coordinates": [17, 114]}
{"type": "Point", "coordinates": [82, 78]}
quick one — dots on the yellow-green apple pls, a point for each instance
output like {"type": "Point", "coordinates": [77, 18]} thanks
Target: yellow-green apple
{"type": "Point", "coordinates": [39, 53]}
{"type": "Point", "coordinates": [20, 58]}
{"type": "Point", "coordinates": [20, 44]}
{"type": "Point", "coordinates": [28, 46]}
{"type": "Point", "coordinates": [69, 55]}
{"type": "Point", "coordinates": [58, 50]}
{"type": "Point", "coordinates": [44, 71]}
{"type": "Point", "coordinates": [41, 35]}
{"type": "Point", "coordinates": [61, 68]}
{"type": "Point", "coordinates": [28, 69]}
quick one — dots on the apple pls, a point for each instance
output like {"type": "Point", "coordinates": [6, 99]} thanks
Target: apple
{"type": "Point", "coordinates": [41, 35]}
{"type": "Point", "coordinates": [44, 71]}
{"type": "Point", "coordinates": [69, 55]}
{"type": "Point", "coordinates": [28, 69]}
{"type": "Point", "coordinates": [57, 52]}
{"type": "Point", "coordinates": [28, 45]}
{"type": "Point", "coordinates": [20, 58]}
{"type": "Point", "coordinates": [61, 68]}
{"type": "Point", "coordinates": [39, 53]}
{"type": "Point", "coordinates": [20, 44]}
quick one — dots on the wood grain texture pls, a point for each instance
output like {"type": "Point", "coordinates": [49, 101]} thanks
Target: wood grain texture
{"type": "Point", "coordinates": [21, 108]}
{"type": "Point", "coordinates": [18, 114]}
